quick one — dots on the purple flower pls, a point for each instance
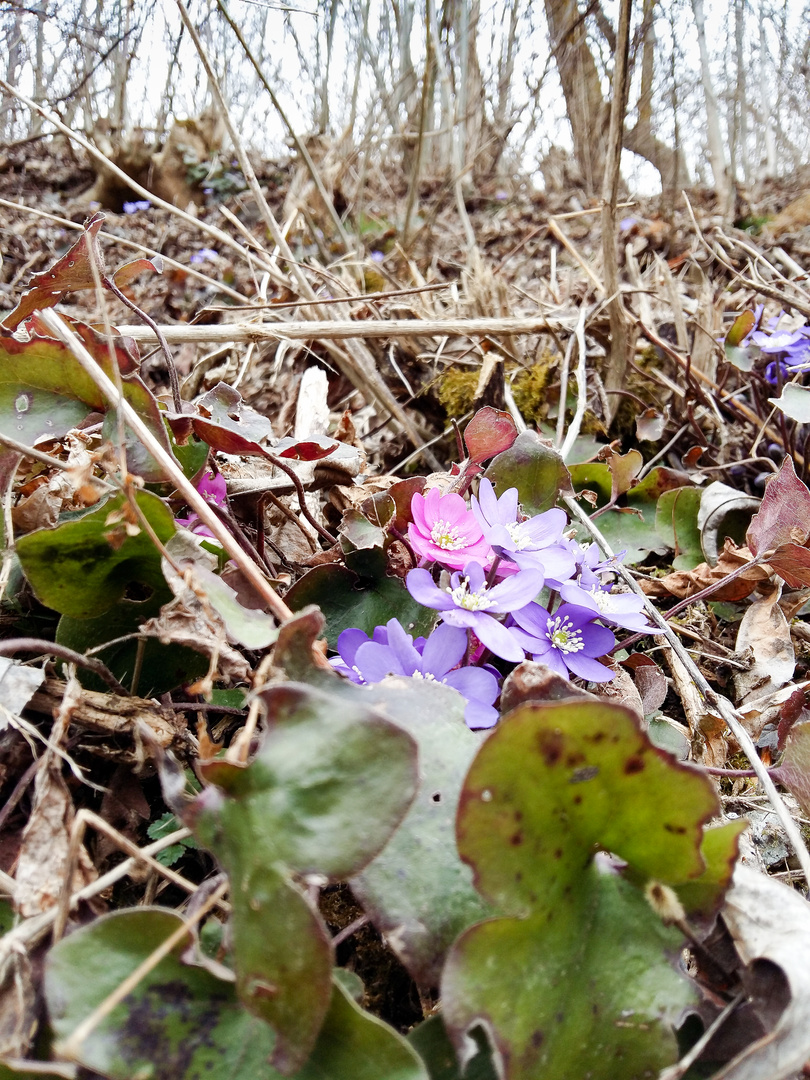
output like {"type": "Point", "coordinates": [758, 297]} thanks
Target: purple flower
{"type": "Point", "coordinates": [588, 565]}
{"type": "Point", "coordinates": [535, 543]}
{"type": "Point", "coordinates": [443, 530]}
{"type": "Point", "coordinates": [378, 256]}
{"type": "Point", "coordinates": [621, 609]}
{"type": "Point", "coordinates": [212, 488]}
{"type": "Point", "coordinates": [470, 604]}
{"type": "Point", "coordinates": [204, 255]}
{"type": "Point", "coordinates": [138, 204]}
{"type": "Point", "coordinates": [393, 652]}
{"type": "Point", "coordinates": [568, 640]}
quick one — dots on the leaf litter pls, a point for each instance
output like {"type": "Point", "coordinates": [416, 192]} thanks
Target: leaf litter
{"type": "Point", "coordinates": [549, 933]}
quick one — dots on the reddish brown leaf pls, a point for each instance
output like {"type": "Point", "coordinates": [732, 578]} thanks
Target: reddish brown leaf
{"type": "Point", "coordinates": [624, 470]}
{"type": "Point", "coordinates": [490, 432]}
{"type": "Point", "coordinates": [792, 564]}
{"type": "Point", "coordinates": [784, 517]}
{"type": "Point", "coordinates": [71, 273]}
{"type": "Point", "coordinates": [685, 583]}
{"type": "Point", "coordinates": [129, 271]}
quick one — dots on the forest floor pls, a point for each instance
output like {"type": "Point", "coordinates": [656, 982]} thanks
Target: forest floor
{"type": "Point", "coordinates": [694, 413]}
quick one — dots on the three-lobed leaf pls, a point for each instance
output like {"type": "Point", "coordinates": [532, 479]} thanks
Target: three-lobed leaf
{"type": "Point", "coordinates": [578, 980]}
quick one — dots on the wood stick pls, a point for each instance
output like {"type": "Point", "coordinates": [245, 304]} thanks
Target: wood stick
{"type": "Point", "coordinates": [349, 328]}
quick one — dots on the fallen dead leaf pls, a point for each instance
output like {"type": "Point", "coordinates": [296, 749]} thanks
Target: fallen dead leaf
{"type": "Point", "coordinates": [764, 631]}
{"type": "Point", "coordinates": [43, 860]}
{"type": "Point", "coordinates": [770, 925]}
{"type": "Point", "coordinates": [685, 583]}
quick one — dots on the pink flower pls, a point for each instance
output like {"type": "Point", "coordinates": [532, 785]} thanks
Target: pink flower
{"type": "Point", "coordinates": [445, 531]}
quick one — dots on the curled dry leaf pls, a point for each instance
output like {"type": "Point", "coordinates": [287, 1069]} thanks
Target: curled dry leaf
{"type": "Point", "coordinates": [685, 583]}
{"type": "Point", "coordinates": [765, 631]}
{"type": "Point", "coordinates": [43, 860]}
{"type": "Point", "coordinates": [770, 925]}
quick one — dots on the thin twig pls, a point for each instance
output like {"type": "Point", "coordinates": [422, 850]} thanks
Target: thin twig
{"type": "Point", "coordinates": [38, 645]}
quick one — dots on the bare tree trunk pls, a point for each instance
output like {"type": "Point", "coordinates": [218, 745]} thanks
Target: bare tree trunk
{"type": "Point", "coordinates": [8, 108]}
{"type": "Point", "coordinates": [506, 72]}
{"type": "Point", "coordinates": [717, 154]}
{"type": "Point", "coordinates": [765, 76]}
{"type": "Point", "coordinates": [671, 164]}
{"type": "Point", "coordinates": [444, 140]}
{"type": "Point", "coordinates": [740, 159]}
{"type": "Point", "coordinates": [587, 110]}
{"type": "Point", "coordinates": [620, 339]}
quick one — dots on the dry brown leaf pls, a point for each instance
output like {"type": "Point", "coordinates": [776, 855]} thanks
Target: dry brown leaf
{"type": "Point", "coordinates": [199, 629]}
{"type": "Point", "coordinates": [622, 690]}
{"type": "Point", "coordinates": [685, 583]}
{"type": "Point", "coordinates": [764, 631]}
{"type": "Point", "coordinates": [43, 859]}
{"type": "Point", "coordinates": [770, 925]}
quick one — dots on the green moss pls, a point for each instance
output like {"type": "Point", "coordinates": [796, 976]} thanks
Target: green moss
{"type": "Point", "coordinates": [457, 390]}
{"type": "Point", "coordinates": [530, 385]}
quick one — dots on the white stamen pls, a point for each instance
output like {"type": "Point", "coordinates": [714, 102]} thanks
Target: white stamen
{"type": "Point", "coordinates": [519, 538]}
{"type": "Point", "coordinates": [563, 636]}
{"type": "Point", "coordinates": [470, 601]}
{"type": "Point", "coordinates": [446, 536]}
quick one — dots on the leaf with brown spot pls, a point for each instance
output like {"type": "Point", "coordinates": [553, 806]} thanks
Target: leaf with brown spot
{"type": "Point", "coordinates": [583, 777]}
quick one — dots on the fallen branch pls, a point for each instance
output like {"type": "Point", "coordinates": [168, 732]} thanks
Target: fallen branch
{"type": "Point", "coordinates": [350, 328]}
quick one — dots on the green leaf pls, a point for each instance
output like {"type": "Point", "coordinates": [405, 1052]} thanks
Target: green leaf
{"type": "Point", "coordinates": [363, 544]}
{"type": "Point", "coordinates": [76, 570]}
{"type": "Point", "coordinates": [553, 784]}
{"type": "Point", "coordinates": [353, 1045]}
{"type": "Point", "coordinates": [348, 601]}
{"type": "Point", "coordinates": [535, 469]}
{"type": "Point", "coordinates": [580, 990]}
{"type": "Point", "coordinates": [432, 1043]}
{"type": "Point", "coordinates": [162, 667]}
{"type": "Point", "coordinates": [179, 1023]}
{"type": "Point", "coordinates": [421, 921]}
{"type": "Point", "coordinates": [164, 826]}
{"type": "Point", "coordinates": [44, 391]}
{"type": "Point", "coordinates": [330, 783]}
{"type": "Point", "coordinates": [631, 528]}
{"type": "Point", "coordinates": [676, 517]}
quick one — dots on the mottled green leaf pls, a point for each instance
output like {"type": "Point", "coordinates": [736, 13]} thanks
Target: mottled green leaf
{"type": "Point", "coordinates": [179, 1023]}
{"type": "Point", "coordinates": [330, 783]}
{"type": "Point", "coordinates": [83, 567]}
{"type": "Point", "coordinates": [579, 979]}
{"type": "Point", "coordinates": [535, 469]}
{"type": "Point", "coordinates": [417, 891]}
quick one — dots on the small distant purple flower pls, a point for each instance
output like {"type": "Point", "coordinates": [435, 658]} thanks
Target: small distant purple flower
{"type": "Point", "coordinates": [535, 543]}
{"type": "Point", "coordinates": [212, 488]}
{"type": "Point", "coordinates": [393, 652]}
{"type": "Point", "coordinates": [470, 604]}
{"type": "Point", "coordinates": [501, 196]}
{"type": "Point", "coordinates": [378, 256]}
{"type": "Point", "coordinates": [621, 609]}
{"type": "Point", "coordinates": [443, 530]}
{"type": "Point", "coordinates": [138, 204]}
{"type": "Point", "coordinates": [568, 640]}
{"type": "Point", "coordinates": [204, 255]}
{"type": "Point", "coordinates": [589, 565]}
{"type": "Point", "coordinates": [627, 223]}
